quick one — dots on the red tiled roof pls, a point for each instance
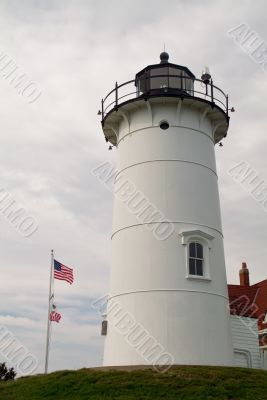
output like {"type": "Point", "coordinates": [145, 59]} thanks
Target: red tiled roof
{"type": "Point", "coordinates": [242, 300]}
{"type": "Point", "coordinates": [249, 301]}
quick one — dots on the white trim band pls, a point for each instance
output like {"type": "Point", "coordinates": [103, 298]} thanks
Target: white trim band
{"type": "Point", "coordinates": [162, 160]}
{"type": "Point", "coordinates": [169, 290]}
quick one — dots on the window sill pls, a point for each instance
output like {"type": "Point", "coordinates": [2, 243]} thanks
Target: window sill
{"type": "Point", "coordinates": [198, 277]}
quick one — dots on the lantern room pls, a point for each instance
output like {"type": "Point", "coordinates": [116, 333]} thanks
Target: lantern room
{"type": "Point", "coordinates": [164, 78]}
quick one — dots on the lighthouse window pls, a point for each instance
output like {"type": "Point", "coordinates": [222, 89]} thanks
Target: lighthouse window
{"type": "Point", "coordinates": [196, 260]}
{"type": "Point", "coordinates": [198, 249]}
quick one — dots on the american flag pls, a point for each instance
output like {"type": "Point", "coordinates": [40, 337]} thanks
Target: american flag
{"type": "Point", "coordinates": [62, 272]}
{"type": "Point", "coordinates": [55, 316]}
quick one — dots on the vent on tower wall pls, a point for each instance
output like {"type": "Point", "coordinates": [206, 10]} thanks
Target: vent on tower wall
{"type": "Point", "coordinates": [164, 125]}
{"type": "Point", "coordinates": [104, 328]}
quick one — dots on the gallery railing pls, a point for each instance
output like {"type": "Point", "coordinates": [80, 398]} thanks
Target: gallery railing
{"type": "Point", "coordinates": [163, 85]}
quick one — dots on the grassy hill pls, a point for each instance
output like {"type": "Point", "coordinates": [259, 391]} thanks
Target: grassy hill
{"type": "Point", "coordinates": [185, 383]}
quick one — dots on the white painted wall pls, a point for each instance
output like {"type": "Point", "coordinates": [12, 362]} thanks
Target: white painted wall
{"type": "Point", "coordinates": [245, 342]}
{"type": "Point", "coordinates": [175, 169]}
{"type": "Point", "coordinates": [263, 356]}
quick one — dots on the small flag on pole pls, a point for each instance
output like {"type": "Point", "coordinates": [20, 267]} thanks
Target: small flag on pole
{"type": "Point", "coordinates": [62, 272]}
{"type": "Point", "coordinates": [55, 316]}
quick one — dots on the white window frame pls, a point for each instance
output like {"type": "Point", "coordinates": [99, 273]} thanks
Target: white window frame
{"type": "Point", "coordinates": [198, 236]}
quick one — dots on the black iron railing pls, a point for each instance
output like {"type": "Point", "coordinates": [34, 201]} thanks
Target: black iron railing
{"type": "Point", "coordinates": [172, 85]}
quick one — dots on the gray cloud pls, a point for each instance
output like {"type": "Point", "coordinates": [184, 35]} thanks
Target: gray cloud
{"type": "Point", "coordinates": [75, 51]}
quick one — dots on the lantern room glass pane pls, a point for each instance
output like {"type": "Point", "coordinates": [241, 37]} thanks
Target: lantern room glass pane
{"type": "Point", "coordinates": [188, 83]}
{"type": "Point", "coordinates": [142, 82]}
{"type": "Point", "coordinates": [159, 82]}
{"type": "Point", "coordinates": [175, 83]}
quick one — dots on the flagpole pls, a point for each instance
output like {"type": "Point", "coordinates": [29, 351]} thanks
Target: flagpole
{"type": "Point", "coordinates": [48, 331]}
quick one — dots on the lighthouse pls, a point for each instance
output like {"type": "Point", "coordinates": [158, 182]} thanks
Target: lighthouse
{"type": "Point", "coordinates": [168, 301]}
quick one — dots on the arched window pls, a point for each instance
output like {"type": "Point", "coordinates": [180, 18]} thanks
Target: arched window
{"type": "Point", "coordinates": [196, 260]}
{"type": "Point", "coordinates": [198, 245]}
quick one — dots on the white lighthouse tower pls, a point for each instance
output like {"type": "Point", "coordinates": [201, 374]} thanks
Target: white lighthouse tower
{"type": "Point", "coordinates": [168, 301]}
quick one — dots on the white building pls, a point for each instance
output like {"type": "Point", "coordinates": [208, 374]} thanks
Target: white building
{"type": "Point", "coordinates": [168, 299]}
{"type": "Point", "coordinates": [245, 342]}
{"type": "Point", "coordinates": [248, 307]}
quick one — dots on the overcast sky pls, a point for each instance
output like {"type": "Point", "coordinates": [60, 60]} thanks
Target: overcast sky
{"type": "Point", "coordinates": [75, 50]}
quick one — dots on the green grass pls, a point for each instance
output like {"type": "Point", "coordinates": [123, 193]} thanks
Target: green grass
{"type": "Point", "coordinates": [185, 383]}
